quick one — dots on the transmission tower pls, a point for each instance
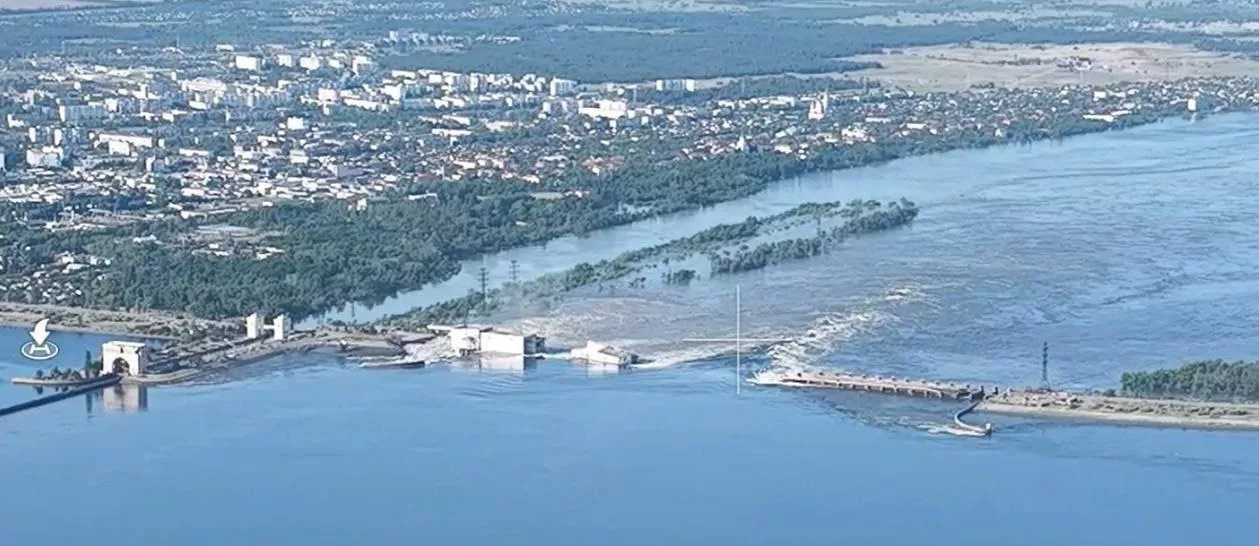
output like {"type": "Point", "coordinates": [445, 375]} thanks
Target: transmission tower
{"type": "Point", "coordinates": [515, 271]}
{"type": "Point", "coordinates": [1044, 365]}
{"type": "Point", "coordinates": [483, 277]}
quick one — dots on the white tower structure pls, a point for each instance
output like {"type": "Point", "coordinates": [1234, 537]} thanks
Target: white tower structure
{"type": "Point", "coordinates": [125, 357]}
{"type": "Point", "coordinates": [252, 326]}
{"type": "Point", "coordinates": [280, 327]}
{"type": "Point", "coordinates": [256, 325]}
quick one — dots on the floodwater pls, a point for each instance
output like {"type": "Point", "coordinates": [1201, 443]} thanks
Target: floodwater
{"type": "Point", "coordinates": [1124, 251]}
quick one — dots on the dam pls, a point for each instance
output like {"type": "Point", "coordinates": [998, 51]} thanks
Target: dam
{"type": "Point", "coordinates": [871, 383]}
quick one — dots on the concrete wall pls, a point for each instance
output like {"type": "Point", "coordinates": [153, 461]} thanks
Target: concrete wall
{"type": "Point", "coordinates": [593, 353]}
{"type": "Point", "coordinates": [133, 353]}
{"type": "Point", "coordinates": [465, 339]}
{"type": "Point", "coordinates": [499, 342]}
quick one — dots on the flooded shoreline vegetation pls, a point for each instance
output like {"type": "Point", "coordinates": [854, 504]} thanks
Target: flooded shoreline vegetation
{"type": "Point", "coordinates": [680, 276]}
{"type": "Point", "coordinates": [867, 217]}
{"type": "Point", "coordinates": [1204, 380]}
{"type": "Point", "coordinates": [330, 258]}
{"type": "Point", "coordinates": [859, 217]}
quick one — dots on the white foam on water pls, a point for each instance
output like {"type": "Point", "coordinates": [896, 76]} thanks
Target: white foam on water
{"type": "Point", "coordinates": [826, 333]}
{"type": "Point", "coordinates": [662, 328]}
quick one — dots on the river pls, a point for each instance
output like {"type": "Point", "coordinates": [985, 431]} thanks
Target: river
{"type": "Point", "coordinates": [1126, 250]}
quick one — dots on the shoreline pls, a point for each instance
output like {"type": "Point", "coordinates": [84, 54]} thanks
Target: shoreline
{"type": "Point", "coordinates": [1116, 418]}
{"type": "Point", "coordinates": [152, 325]}
{"type": "Point", "coordinates": [340, 312]}
{"type": "Point", "coordinates": [88, 330]}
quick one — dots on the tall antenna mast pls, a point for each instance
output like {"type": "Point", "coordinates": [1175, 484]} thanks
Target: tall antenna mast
{"type": "Point", "coordinates": [738, 339]}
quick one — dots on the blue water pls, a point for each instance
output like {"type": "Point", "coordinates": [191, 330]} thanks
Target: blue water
{"type": "Point", "coordinates": [1127, 250]}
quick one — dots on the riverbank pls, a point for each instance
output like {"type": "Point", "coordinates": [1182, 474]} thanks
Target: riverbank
{"type": "Point", "coordinates": [1122, 410]}
{"type": "Point", "coordinates": [188, 362]}
{"type": "Point", "coordinates": [146, 324]}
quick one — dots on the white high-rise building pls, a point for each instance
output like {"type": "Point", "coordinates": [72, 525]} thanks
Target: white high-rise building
{"type": "Point", "coordinates": [562, 87]}
{"type": "Point", "coordinates": [817, 108]}
{"type": "Point", "coordinates": [608, 109]}
{"type": "Point", "coordinates": [246, 62]}
{"type": "Point", "coordinates": [48, 157]}
{"type": "Point", "coordinates": [675, 85]}
{"type": "Point", "coordinates": [309, 62]}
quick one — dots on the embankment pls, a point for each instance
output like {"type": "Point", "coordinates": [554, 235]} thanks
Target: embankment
{"type": "Point", "coordinates": [1122, 410]}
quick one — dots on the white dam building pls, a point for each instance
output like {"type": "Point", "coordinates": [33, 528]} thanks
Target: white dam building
{"type": "Point", "coordinates": [467, 340]}
{"type": "Point", "coordinates": [599, 353]}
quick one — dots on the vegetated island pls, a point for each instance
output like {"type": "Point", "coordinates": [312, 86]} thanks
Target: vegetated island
{"type": "Point", "coordinates": [857, 217]}
{"type": "Point", "coordinates": [1205, 394]}
{"type": "Point", "coordinates": [869, 217]}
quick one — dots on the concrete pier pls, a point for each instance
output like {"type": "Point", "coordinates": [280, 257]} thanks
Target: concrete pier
{"type": "Point", "coordinates": [84, 388]}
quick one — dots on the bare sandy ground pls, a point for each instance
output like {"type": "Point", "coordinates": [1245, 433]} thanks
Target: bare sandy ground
{"type": "Point", "coordinates": [1114, 409]}
{"type": "Point", "coordinates": [23, 5]}
{"type": "Point", "coordinates": [953, 67]}
{"type": "Point", "coordinates": [28, 5]}
{"type": "Point", "coordinates": [73, 319]}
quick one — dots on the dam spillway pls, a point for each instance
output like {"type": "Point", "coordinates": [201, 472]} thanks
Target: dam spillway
{"type": "Point", "coordinates": [870, 383]}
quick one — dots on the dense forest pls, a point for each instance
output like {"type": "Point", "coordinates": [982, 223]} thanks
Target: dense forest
{"type": "Point", "coordinates": [1204, 380]}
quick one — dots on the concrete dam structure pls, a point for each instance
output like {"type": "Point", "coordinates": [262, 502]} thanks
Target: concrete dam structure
{"type": "Point", "coordinates": [820, 379]}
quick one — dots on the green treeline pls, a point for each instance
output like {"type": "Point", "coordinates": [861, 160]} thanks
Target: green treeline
{"type": "Point", "coordinates": [1205, 380]}
{"type": "Point", "coordinates": [680, 276]}
{"type": "Point", "coordinates": [867, 217]}
{"type": "Point", "coordinates": [767, 253]}
{"type": "Point", "coordinates": [332, 256]}
{"type": "Point", "coordinates": [861, 217]}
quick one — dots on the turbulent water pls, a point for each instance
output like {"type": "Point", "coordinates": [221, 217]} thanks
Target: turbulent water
{"type": "Point", "coordinates": [1124, 251]}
